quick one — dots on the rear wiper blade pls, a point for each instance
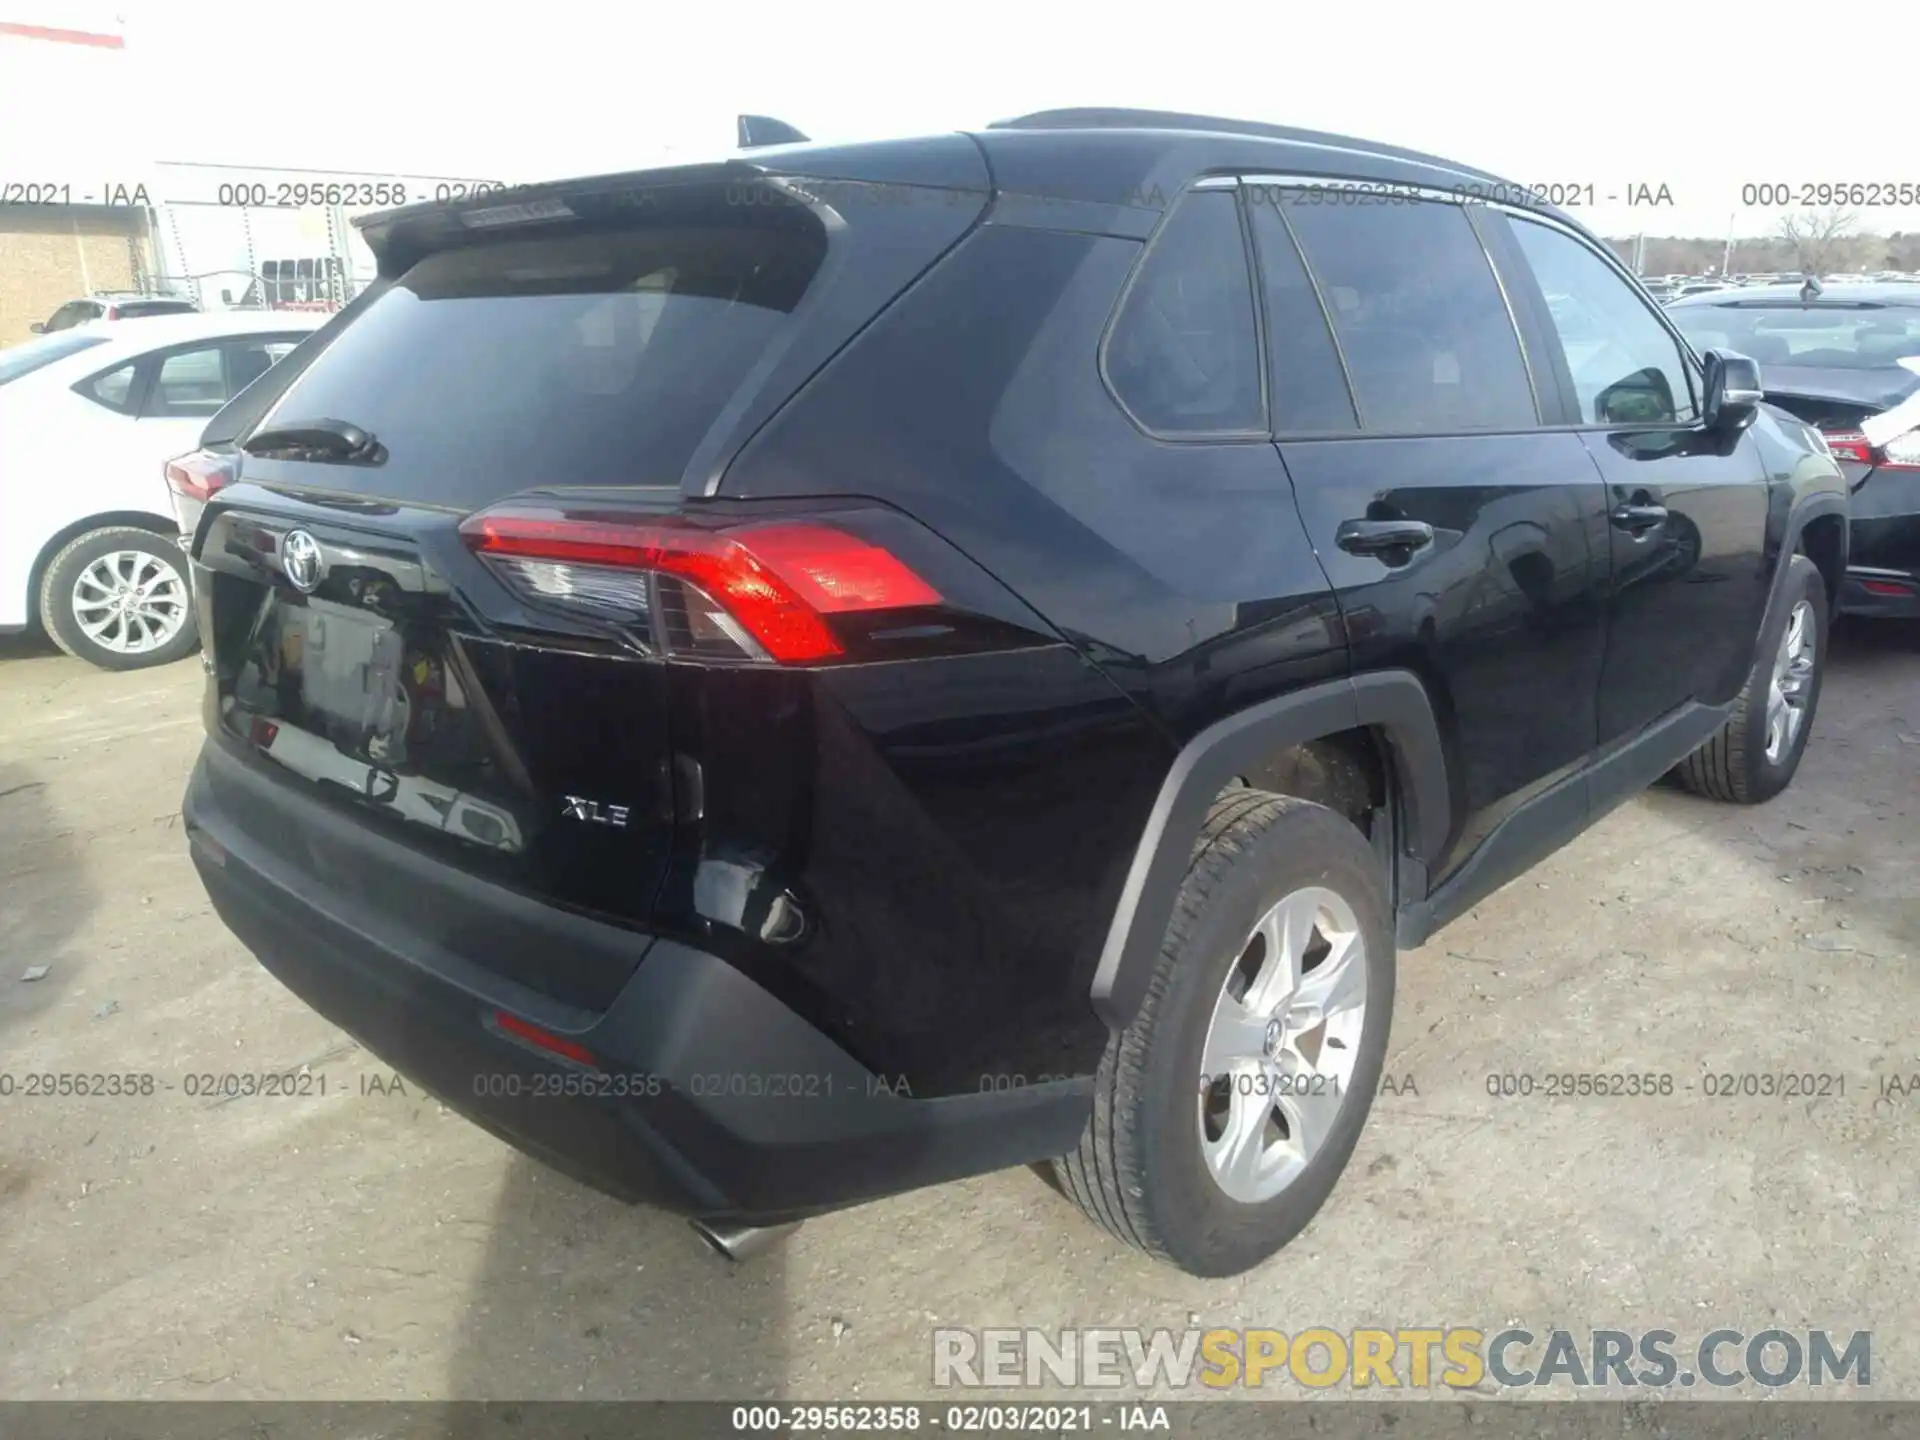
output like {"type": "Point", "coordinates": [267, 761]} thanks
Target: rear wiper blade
{"type": "Point", "coordinates": [322, 439]}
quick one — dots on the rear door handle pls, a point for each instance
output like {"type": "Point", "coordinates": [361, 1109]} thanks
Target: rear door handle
{"type": "Point", "coordinates": [1371, 537]}
{"type": "Point", "coordinates": [1639, 517]}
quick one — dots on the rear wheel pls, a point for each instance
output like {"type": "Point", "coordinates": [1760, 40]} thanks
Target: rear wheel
{"type": "Point", "coordinates": [1225, 1112]}
{"type": "Point", "coordinates": [1754, 756]}
{"type": "Point", "coordinates": [118, 597]}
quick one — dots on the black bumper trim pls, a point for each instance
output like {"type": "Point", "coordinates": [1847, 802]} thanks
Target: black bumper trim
{"type": "Point", "coordinates": [727, 1104]}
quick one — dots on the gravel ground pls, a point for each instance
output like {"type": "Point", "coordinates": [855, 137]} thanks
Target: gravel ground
{"type": "Point", "coordinates": [368, 1244]}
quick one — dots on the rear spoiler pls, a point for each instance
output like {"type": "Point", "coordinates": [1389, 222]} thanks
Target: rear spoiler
{"type": "Point", "coordinates": [757, 130]}
{"type": "Point", "coordinates": [402, 236]}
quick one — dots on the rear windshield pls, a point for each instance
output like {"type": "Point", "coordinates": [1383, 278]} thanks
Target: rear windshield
{"type": "Point", "coordinates": [1825, 337]}
{"type": "Point", "coordinates": [588, 359]}
{"type": "Point", "coordinates": [18, 360]}
{"type": "Point", "coordinates": [134, 309]}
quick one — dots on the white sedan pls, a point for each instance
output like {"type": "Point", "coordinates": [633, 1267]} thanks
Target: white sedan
{"type": "Point", "coordinates": [89, 418]}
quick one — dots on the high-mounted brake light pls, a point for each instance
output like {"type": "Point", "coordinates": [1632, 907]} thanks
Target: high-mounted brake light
{"type": "Point", "coordinates": [759, 591]}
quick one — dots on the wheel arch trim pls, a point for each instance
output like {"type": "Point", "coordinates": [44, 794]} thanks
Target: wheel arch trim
{"type": "Point", "coordinates": [1392, 702]}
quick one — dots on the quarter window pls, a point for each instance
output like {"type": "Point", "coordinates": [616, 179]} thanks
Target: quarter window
{"type": "Point", "coordinates": [190, 382]}
{"type": "Point", "coordinates": [1424, 330]}
{"type": "Point", "coordinates": [1183, 356]}
{"type": "Point", "coordinates": [1627, 368]}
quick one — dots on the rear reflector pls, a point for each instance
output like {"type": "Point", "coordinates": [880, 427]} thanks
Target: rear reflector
{"type": "Point", "coordinates": [1887, 589]}
{"type": "Point", "coordinates": [759, 591]}
{"type": "Point", "coordinates": [544, 1039]}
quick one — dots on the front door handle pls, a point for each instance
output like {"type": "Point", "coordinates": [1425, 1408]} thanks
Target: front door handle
{"type": "Point", "coordinates": [1374, 537]}
{"type": "Point", "coordinates": [1639, 517]}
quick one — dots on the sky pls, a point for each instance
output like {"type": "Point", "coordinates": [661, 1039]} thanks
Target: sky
{"type": "Point", "coordinates": [1693, 98]}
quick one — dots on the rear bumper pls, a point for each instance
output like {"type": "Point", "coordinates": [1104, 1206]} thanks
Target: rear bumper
{"type": "Point", "coordinates": [709, 1096]}
{"type": "Point", "coordinates": [1883, 594]}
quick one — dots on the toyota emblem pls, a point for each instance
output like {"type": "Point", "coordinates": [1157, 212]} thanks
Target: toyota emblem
{"type": "Point", "coordinates": [300, 557]}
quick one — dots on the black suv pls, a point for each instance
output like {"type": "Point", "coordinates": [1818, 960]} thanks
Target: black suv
{"type": "Point", "coordinates": [774, 683]}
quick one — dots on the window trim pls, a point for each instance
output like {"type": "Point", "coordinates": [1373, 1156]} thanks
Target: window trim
{"type": "Point", "coordinates": [1691, 366]}
{"type": "Point", "coordinates": [1326, 318]}
{"type": "Point", "coordinates": [1263, 433]}
{"type": "Point", "coordinates": [1419, 194]}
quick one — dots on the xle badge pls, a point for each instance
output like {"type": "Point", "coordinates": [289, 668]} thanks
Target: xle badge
{"type": "Point", "coordinates": [594, 813]}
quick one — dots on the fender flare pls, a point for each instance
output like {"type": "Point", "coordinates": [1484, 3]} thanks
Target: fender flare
{"type": "Point", "coordinates": [1393, 701]}
{"type": "Point", "coordinates": [1821, 502]}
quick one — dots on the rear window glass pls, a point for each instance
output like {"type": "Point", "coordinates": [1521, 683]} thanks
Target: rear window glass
{"type": "Point", "coordinates": [589, 359]}
{"type": "Point", "coordinates": [1824, 337]}
{"type": "Point", "coordinates": [133, 310]}
{"type": "Point", "coordinates": [18, 360]}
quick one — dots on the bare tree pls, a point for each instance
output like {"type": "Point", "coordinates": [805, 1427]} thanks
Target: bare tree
{"type": "Point", "coordinates": [1818, 237]}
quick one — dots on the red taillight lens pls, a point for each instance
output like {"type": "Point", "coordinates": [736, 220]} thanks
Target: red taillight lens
{"type": "Point", "coordinates": [1887, 589]}
{"type": "Point", "coordinates": [199, 474]}
{"type": "Point", "coordinates": [755, 591]}
{"type": "Point", "coordinates": [1900, 453]}
{"type": "Point", "coordinates": [1849, 445]}
{"type": "Point", "coordinates": [113, 312]}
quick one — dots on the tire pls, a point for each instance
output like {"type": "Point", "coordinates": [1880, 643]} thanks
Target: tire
{"type": "Point", "coordinates": [155, 561]}
{"type": "Point", "coordinates": [1141, 1170]}
{"type": "Point", "coordinates": [1734, 765]}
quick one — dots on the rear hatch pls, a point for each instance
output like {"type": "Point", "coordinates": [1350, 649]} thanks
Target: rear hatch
{"type": "Point", "coordinates": [608, 343]}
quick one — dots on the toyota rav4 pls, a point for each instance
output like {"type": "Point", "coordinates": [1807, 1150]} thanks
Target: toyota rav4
{"type": "Point", "coordinates": [774, 683]}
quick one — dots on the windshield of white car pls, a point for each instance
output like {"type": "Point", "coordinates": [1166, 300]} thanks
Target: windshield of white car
{"type": "Point", "coordinates": [24, 359]}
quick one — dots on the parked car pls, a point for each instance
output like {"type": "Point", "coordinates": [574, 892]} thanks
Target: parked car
{"type": "Point", "coordinates": [1845, 358]}
{"type": "Point", "coordinates": [766, 698]}
{"type": "Point", "coordinates": [93, 557]}
{"type": "Point", "coordinates": [113, 305]}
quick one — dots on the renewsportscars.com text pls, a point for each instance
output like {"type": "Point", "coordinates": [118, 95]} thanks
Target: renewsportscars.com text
{"type": "Point", "coordinates": [1461, 1357]}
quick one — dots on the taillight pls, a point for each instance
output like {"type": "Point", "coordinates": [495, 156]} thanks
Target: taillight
{"type": "Point", "coordinates": [1900, 453]}
{"type": "Point", "coordinates": [1849, 445]}
{"type": "Point", "coordinates": [198, 475]}
{"type": "Point", "coordinates": [756, 591]}
{"type": "Point", "coordinates": [1887, 589]}
{"type": "Point", "coordinates": [113, 312]}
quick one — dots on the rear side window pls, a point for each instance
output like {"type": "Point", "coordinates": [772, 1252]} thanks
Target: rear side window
{"type": "Point", "coordinates": [190, 382]}
{"type": "Point", "coordinates": [1183, 355]}
{"type": "Point", "coordinates": [587, 359]}
{"type": "Point", "coordinates": [1627, 369]}
{"type": "Point", "coordinates": [1308, 389]}
{"type": "Point", "coordinates": [114, 389]}
{"type": "Point", "coordinates": [1421, 321]}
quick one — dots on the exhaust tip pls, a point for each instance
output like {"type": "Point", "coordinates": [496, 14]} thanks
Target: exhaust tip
{"type": "Point", "coordinates": [738, 1242]}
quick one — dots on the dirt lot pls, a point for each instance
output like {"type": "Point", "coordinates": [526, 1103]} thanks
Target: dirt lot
{"type": "Point", "coordinates": [367, 1245]}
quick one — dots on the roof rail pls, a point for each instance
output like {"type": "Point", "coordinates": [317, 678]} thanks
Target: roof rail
{"type": "Point", "coordinates": [1104, 118]}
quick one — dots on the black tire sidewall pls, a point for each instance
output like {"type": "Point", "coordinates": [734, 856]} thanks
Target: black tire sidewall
{"type": "Point", "coordinates": [1766, 778]}
{"type": "Point", "coordinates": [57, 598]}
{"type": "Point", "coordinates": [1205, 1230]}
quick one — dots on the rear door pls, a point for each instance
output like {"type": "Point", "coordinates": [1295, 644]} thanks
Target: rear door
{"type": "Point", "coordinates": [363, 654]}
{"type": "Point", "coordinates": [1686, 508]}
{"type": "Point", "coordinates": [1461, 533]}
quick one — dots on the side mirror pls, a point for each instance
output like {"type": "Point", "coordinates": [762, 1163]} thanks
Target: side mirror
{"type": "Point", "coordinates": [39, 327]}
{"type": "Point", "coordinates": [1733, 390]}
{"type": "Point", "coordinates": [226, 297]}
